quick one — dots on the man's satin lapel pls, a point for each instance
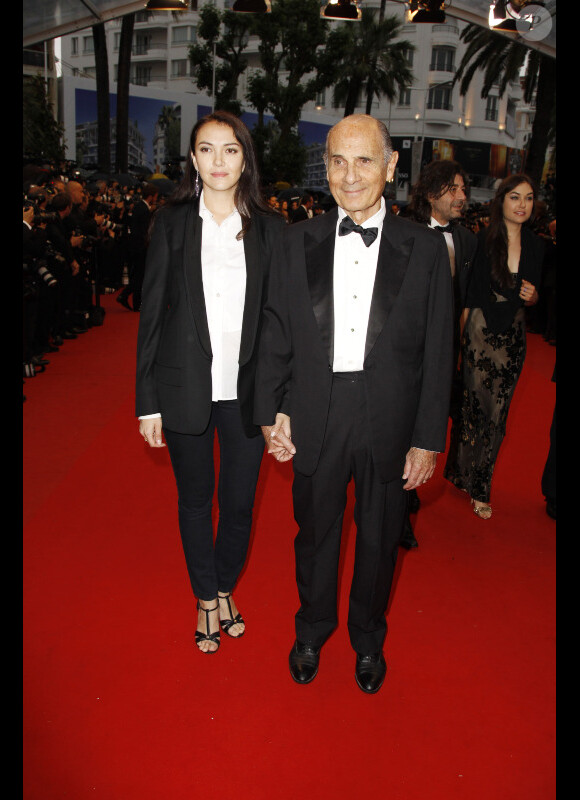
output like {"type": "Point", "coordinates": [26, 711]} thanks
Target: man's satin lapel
{"type": "Point", "coordinates": [253, 291]}
{"type": "Point", "coordinates": [391, 268]}
{"type": "Point", "coordinates": [193, 276]}
{"type": "Point", "coordinates": [319, 256]}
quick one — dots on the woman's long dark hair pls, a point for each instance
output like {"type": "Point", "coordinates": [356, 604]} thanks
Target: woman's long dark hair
{"type": "Point", "coordinates": [496, 237]}
{"type": "Point", "coordinates": [248, 195]}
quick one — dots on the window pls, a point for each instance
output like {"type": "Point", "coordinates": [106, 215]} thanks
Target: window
{"type": "Point", "coordinates": [184, 34]}
{"type": "Point", "coordinates": [321, 98]}
{"type": "Point", "coordinates": [141, 44]}
{"type": "Point", "coordinates": [142, 75]}
{"type": "Point", "coordinates": [440, 97]}
{"type": "Point", "coordinates": [442, 59]}
{"type": "Point", "coordinates": [491, 108]}
{"type": "Point", "coordinates": [88, 45]}
{"type": "Point", "coordinates": [409, 55]}
{"type": "Point", "coordinates": [74, 46]}
{"type": "Point", "coordinates": [405, 97]}
{"type": "Point", "coordinates": [179, 68]}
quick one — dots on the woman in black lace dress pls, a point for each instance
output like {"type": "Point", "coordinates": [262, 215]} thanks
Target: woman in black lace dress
{"type": "Point", "coordinates": [505, 273]}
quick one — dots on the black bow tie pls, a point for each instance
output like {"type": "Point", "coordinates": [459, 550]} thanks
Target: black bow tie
{"type": "Point", "coordinates": [447, 229]}
{"type": "Point", "coordinates": [348, 226]}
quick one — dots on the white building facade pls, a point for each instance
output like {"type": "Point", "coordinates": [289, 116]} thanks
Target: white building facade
{"type": "Point", "coordinates": [429, 120]}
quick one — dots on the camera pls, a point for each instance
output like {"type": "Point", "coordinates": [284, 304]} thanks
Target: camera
{"type": "Point", "coordinates": [45, 274]}
{"type": "Point", "coordinates": [39, 215]}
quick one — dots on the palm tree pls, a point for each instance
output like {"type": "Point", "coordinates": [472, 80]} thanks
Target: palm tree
{"type": "Point", "coordinates": [370, 59]}
{"type": "Point", "coordinates": [501, 60]}
{"type": "Point", "coordinates": [103, 104]}
{"type": "Point", "coordinates": [123, 78]}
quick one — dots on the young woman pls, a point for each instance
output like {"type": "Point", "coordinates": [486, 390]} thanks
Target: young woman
{"type": "Point", "coordinates": [505, 274]}
{"type": "Point", "coordinates": [203, 293]}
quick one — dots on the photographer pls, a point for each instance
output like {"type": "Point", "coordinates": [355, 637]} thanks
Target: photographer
{"type": "Point", "coordinates": [66, 267]}
{"type": "Point", "coordinates": [110, 213]}
{"type": "Point", "coordinates": [38, 292]}
{"type": "Point", "coordinates": [137, 241]}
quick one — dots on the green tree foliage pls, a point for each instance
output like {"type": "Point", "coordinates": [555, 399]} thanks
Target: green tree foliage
{"type": "Point", "coordinates": [43, 135]}
{"type": "Point", "coordinates": [229, 49]}
{"type": "Point", "coordinates": [371, 60]}
{"type": "Point", "coordinates": [171, 124]}
{"type": "Point", "coordinates": [501, 60]}
{"type": "Point", "coordinates": [293, 59]}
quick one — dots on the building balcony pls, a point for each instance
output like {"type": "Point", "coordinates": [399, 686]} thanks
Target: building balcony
{"type": "Point", "coordinates": [440, 114]}
{"type": "Point", "coordinates": [444, 35]}
{"type": "Point", "coordinates": [154, 52]}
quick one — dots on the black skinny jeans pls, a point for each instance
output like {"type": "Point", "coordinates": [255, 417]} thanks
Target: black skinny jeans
{"type": "Point", "coordinates": [214, 567]}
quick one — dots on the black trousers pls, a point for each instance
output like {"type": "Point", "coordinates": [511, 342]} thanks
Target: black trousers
{"type": "Point", "coordinates": [214, 567]}
{"type": "Point", "coordinates": [319, 504]}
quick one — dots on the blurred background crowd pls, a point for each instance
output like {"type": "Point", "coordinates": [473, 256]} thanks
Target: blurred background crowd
{"type": "Point", "coordinates": [85, 235]}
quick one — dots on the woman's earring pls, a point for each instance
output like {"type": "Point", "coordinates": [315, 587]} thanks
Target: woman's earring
{"type": "Point", "coordinates": [197, 187]}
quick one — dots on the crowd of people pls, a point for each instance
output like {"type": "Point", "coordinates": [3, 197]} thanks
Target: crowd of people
{"type": "Point", "coordinates": [350, 373]}
{"type": "Point", "coordinates": [80, 239]}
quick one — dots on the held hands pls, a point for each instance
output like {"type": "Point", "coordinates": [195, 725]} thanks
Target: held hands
{"type": "Point", "coordinates": [419, 467]}
{"type": "Point", "coordinates": [528, 293]}
{"type": "Point", "coordinates": [278, 438]}
{"type": "Point", "coordinates": [150, 430]}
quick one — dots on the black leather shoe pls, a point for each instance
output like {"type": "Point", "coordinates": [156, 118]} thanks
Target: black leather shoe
{"type": "Point", "coordinates": [304, 662]}
{"type": "Point", "coordinates": [408, 538]}
{"type": "Point", "coordinates": [370, 672]}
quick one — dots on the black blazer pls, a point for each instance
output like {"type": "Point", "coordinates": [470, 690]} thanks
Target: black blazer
{"type": "Point", "coordinates": [499, 315]}
{"type": "Point", "coordinates": [408, 353]}
{"type": "Point", "coordinates": [173, 348]}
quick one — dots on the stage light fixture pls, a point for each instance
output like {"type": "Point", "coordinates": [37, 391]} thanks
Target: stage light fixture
{"type": "Point", "coordinates": [252, 7]}
{"type": "Point", "coordinates": [504, 15]}
{"type": "Point", "coordinates": [167, 5]}
{"type": "Point", "coordinates": [345, 10]}
{"type": "Point", "coordinates": [430, 11]}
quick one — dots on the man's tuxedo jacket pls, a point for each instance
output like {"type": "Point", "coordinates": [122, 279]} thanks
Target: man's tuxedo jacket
{"type": "Point", "coordinates": [465, 246]}
{"type": "Point", "coordinates": [408, 353]}
{"type": "Point", "coordinates": [174, 353]}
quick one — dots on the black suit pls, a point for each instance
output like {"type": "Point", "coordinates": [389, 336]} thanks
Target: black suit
{"type": "Point", "coordinates": [399, 400]}
{"type": "Point", "coordinates": [174, 378]}
{"type": "Point", "coordinates": [465, 247]}
{"type": "Point", "coordinates": [138, 222]}
{"type": "Point", "coordinates": [300, 215]}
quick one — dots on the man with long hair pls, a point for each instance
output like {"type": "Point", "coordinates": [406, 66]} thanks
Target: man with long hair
{"type": "Point", "coordinates": [438, 200]}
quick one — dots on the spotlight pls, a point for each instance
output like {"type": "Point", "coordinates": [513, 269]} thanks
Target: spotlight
{"type": "Point", "coordinates": [504, 15]}
{"type": "Point", "coordinates": [252, 7]}
{"type": "Point", "coordinates": [342, 9]}
{"type": "Point", "coordinates": [426, 11]}
{"type": "Point", "coordinates": [167, 5]}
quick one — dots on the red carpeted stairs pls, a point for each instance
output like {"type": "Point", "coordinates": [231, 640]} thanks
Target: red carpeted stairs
{"type": "Point", "coordinates": [120, 705]}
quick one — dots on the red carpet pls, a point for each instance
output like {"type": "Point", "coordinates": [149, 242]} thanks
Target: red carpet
{"type": "Point", "coordinates": [118, 703]}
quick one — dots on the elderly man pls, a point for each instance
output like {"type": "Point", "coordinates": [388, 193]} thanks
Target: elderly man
{"type": "Point", "coordinates": [353, 382]}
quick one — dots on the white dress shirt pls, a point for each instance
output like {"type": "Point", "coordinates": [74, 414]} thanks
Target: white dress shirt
{"type": "Point", "coordinates": [355, 266]}
{"type": "Point", "coordinates": [223, 267]}
{"type": "Point", "coordinates": [449, 239]}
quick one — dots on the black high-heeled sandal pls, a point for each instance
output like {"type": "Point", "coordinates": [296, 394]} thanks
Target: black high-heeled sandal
{"type": "Point", "coordinates": [207, 636]}
{"type": "Point", "coordinates": [226, 624]}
